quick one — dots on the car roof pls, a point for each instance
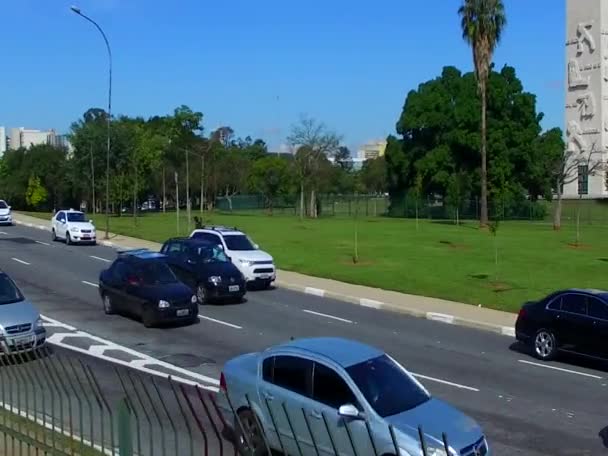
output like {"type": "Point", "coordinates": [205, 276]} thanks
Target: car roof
{"type": "Point", "coordinates": [141, 254]}
{"type": "Point", "coordinates": [344, 352]}
{"type": "Point", "coordinates": [223, 230]}
{"type": "Point", "coordinates": [591, 291]}
{"type": "Point", "coordinates": [71, 211]}
{"type": "Point", "coordinates": [187, 240]}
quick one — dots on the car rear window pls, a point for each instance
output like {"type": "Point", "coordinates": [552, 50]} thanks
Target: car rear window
{"type": "Point", "coordinates": [156, 272]}
{"type": "Point", "coordinates": [386, 386]}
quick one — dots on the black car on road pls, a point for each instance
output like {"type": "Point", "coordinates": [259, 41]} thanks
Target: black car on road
{"type": "Point", "coordinates": [573, 320]}
{"type": "Point", "coordinates": [206, 268]}
{"type": "Point", "coordinates": [141, 284]}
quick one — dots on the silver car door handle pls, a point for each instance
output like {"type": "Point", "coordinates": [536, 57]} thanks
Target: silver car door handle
{"type": "Point", "coordinates": [316, 415]}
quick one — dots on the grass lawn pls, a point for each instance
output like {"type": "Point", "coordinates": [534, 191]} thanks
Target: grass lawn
{"type": "Point", "coordinates": [439, 259]}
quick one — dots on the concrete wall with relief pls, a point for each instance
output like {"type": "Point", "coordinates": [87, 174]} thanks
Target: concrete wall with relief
{"type": "Point", "coordinates": [586, 119]}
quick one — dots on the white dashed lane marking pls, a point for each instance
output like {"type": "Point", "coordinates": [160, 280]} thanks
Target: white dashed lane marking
{"type": "Point", "coordinates": [20, 261]}
{"type": "Point", "coordinates": [319, 314]}
{"type": "Point", "coordinates": [220, 322]}
{"type": "Point", "coordinates": [105, 260]}
{"type": "Point", "coordinates": [445, 382]}
{"type": "Point", "coordinates": [560, 369]}
{"type": "Point", "coordinates": [91, 284]}
{"type": "Point", "coordinates": [43, 243]}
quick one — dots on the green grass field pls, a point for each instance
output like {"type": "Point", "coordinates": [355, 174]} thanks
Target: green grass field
{"type": "Point", "coordinates": [438, 259]}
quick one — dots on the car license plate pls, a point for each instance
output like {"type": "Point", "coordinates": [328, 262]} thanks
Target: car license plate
{"type": "Point", "coordinates": [233, 288]}
{"type": "Point", "coordinates": [264, 276]}
{"type": "Point", "coordinates": [183, 312]}
{"type": "Point", "coordinates": [22, 341]}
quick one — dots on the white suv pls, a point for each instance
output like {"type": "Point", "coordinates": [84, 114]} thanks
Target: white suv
{"type": "Point", "coordinates": [256, 265]}
{"type": "Point", "coordinates": [6, 218]}
{"type": "Point", "coordinates": [73, 227]}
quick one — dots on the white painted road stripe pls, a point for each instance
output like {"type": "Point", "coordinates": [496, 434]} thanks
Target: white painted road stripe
{"type": "Point", "coordinates": [445, 382]}
{"type": "Point", "coordinates": [225, 323]}
{"type": "Point", "coordinates": [91, 284]}
{"type": "Point", "coordinates": [43, 243]}
{"type": "Point", "coordinates": [344, 320]}
{"type": "Point", "coordinates": [2, 232]}
{"type": "Point", "coordinates": [101, 259]}
{"type": "Point", "coordinates": [443, 318]}
{"type": "Point", "coordinates": [56, 324]}
{"type": "Point", "coordinates": [370, 303]}
{"type": "Point", "coordinates": [561, 369]}
{"type": "Point", "coordinates": [314, 291]}
{"type": "Point", "coordinates": [508, 331]}
{"type": "Point", "coordinates": [20, 261]}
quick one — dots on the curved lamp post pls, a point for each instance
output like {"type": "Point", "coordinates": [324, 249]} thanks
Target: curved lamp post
{"type": "Point", "coordinates": [109, 116]}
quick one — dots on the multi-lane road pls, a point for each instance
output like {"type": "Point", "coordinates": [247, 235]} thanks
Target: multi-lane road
{"type": "Point", "coordinates": [525, 407]}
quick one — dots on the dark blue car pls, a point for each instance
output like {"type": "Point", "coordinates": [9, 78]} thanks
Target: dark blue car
{"type": "Point", "coordinates": [206, 268]}
{"type": "Point", "coordinates": [141, 284]}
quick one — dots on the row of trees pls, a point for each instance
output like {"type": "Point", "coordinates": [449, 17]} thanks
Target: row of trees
{"type": "Point", "coordinates": [169, 159]}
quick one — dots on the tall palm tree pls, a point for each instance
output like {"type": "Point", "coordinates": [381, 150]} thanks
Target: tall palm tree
{"type": "Point", "coordinates": [483, 22]}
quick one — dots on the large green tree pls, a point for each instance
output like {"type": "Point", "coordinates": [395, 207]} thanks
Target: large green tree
{"type": "Point", "coordinates": [271, 176]}
{"type": "Point", "coordinates": [483, 22]}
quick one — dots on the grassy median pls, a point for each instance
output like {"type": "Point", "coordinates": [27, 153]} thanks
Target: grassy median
{"type": "Point", "coordinates": [436, 259]}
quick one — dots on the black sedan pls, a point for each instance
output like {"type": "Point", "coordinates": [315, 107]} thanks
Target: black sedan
{"type": "Point", "coordinates": [141, 284]}
{"type": "Point", "coordinates": [574, 321]}
{"type": "Point", "coordinates": [206, 268]}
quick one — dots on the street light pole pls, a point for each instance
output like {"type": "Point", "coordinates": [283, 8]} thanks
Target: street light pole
{"type": "Point", "coordinates": [109, 116]}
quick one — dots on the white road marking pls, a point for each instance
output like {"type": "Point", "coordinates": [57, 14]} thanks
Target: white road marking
{"type": "Point", "coordinates": [43, 243]}
{"type": "Point", "coordinates": [445, 382]}
{"type": "Point", "coordinates": [319, 314]}
{"type": "Point", "coordinates": [91, 284]}
{"type": "Point", "coordinates": [225, 323]}
{"type": "Point", "coordinates": [2, 232]}
{"type": "Point", "coordinates": [443, 318]}
{"type": "Point", "coordinates": [561, 369]}
{"type": "Point", "coordinates": [370, 303]}
{"type": "Point", "coordinates": [101, 259]}
{"type": "Point", "coordinates": [314, 291]}
{"type": "Point", "coordinates": [508, 331]}
{"type": "Point", "coordinates": [56, 324]}
{"type": "Point", "coordinates": [20, 261]}
{"type": "Point", "coordinates": [137, 364]}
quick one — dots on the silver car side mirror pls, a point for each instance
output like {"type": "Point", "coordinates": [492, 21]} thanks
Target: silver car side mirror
{"type": "Point", "coordinates": [350, 411]}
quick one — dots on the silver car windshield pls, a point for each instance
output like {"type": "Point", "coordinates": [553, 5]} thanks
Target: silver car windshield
{"type": "Point", "coordinates": [9, 293]}
{"type": "Point", "coordinates": [388, 389]}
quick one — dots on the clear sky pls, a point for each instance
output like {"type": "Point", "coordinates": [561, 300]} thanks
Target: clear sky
{"type": "Point", "coordinates": [256, 65]}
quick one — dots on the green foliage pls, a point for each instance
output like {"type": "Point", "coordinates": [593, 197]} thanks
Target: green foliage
{"type": "Point", "coordinates": [271, 176]}
{"type": "Point", "coordinates": [440, 126]}
{"type": "Point", "coordinates": [35, 194]}
{"type": "Point", "coordinates": [374, 176]}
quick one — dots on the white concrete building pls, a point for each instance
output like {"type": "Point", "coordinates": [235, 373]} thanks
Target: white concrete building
{"type": "Point", "coordinates": [2, 141]}
{"type": "Point", "coordinates": [23, 137]}
{"type": "Point", "coordinates": [586, 113]}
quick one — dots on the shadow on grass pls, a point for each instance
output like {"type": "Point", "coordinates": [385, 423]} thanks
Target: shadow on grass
{"type": "Point", "coordinates": [461, 224]}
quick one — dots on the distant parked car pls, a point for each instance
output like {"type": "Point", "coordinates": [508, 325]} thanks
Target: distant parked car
{"type": "Point", "coordinates": [21, 328]}
{"type": "Point", "coordinates": [256, 265]}
{"type": "Point", "coordinates": [327, 384]}
{"type": "Point", "coordinates": [574, 320]}
{"type": "Point", "coordinates": [206, 269]}
{"type": "Point", "coordinates": [6, 217]}
{"type": "Point", "coordinates": [140, 283]}
{"type": "Point", "coordinates": [73, 227]}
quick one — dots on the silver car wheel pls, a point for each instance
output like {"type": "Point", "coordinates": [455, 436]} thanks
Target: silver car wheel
{"type": "Point", "coordinates": [107, 305]}
{"type": "Point", "coordinates": [544, 344]}
{"type": "Point", "coordinates": [201, 294]}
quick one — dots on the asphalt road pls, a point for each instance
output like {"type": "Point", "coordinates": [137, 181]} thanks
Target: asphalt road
{"type": "Point", "coordinates": [526, 408]}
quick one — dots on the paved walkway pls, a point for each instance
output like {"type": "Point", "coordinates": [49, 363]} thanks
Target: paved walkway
{"type": "Point", "coordinates": [431, 308]}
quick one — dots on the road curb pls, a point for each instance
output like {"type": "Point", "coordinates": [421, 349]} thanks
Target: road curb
{"type": "Point", "coordinates": [411, 311]}
{"type": "Point", "coordinates": [364, 302]}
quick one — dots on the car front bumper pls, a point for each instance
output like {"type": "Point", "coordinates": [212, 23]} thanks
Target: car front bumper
{"type": "Point", "coordinates": [20, 343]}
{"type": "Point", "coordinates": [175, 314]}
{"type": "Point", "coordinates": [258, 272]}
{"type": "Point", "coordinates": [84, 238]}
{"type": "Point", "coordinates": [6, 219]}
{"type": "Point", "coordinates": [226, 290]}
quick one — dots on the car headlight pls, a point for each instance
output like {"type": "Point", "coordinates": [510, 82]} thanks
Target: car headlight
{"type": "Point", "coordinates": [39, 323]}
{"type": "Point", "coordinates": [246, 263]}
{"type": "Point", "coordinates": [193, 299]}
{"type": "Point", "coordinates": [215, 279]}
{"type": "Point", "coordinates": [75, 229]}
{"type": "Point", "coordinates": [163, 304]}
{"type": "Point", "coordinates": [436, 452]}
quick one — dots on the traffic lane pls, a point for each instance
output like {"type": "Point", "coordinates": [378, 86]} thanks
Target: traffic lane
{"type": "Point", "coordinates": [333, 320]}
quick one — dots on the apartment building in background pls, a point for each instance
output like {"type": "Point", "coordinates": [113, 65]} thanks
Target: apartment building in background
{"type": "Point", "coordinates": [372, 149]}
{"type": "Point", "coordinates": [24, 137]}
{"type": "Point", "coordinates": [2, 141]}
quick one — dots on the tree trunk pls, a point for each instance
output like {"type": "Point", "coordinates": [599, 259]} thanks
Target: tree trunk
{"type": "Point", "coordinates": [483, 218]}
{"type": "Point", "coordinates": [557, 215]}
{"type": "Point", "coordinates": [416, 213]}
{"type": "Point", "coordinates": [177, 201]}
{"type": "Point", "coordinates": [202, 183]}
{"type": "Point", "coordinates": [164, 191]}
{"type": "Point", "coordinates": [578, 221]}
{"type": "Point", "coordinates": [302, 201]}
{"type": "Point", "coordinates": [93, 181]}
{"type": "Point", "coordinates": [457, 217]}
{"type": "Point", "coordinates": [313, 204]}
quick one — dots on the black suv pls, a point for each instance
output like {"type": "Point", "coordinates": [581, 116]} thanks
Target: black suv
{"type": "Point", "coordinates": [140, 283]}
{"type": "Point", "coordinates": [206, 268]}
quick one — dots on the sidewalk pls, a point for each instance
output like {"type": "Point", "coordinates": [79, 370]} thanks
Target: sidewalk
{"type": "Point", "coordinates": [448, 312]}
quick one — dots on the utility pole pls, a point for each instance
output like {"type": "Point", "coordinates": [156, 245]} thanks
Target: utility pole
{"type": "Point", "coordinates": [93, 179]}
{"type": "Point", "coordinates": [187, 189]}
{"type": "Point", "coordinates": [177, 200]}
{"type": "Point", "coordinates": [164, 191]}
{"type": "Point", "coordinates": [202, 182]}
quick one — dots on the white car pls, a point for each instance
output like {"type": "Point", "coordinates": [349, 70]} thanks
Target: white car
{"type": "Point", "coordinates": [6, 218]}
{"type": "Point", "coordinates": [73, 227]}
{"type": "Point", "coordinates": [256, 265]}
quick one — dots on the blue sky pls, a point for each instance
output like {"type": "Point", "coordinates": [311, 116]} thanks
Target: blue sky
{"type": "Point", "coordinates": [257, 65]}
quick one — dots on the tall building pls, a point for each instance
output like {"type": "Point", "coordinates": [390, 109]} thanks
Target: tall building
{"type": "Point", "coordinates": [373, 149]}
{"type": "Point", "coordinates": [23, 137]}
{"type": "Point", "coordinates": [2, 141]}
{"type": "Point", "coordinates": [586, 113]}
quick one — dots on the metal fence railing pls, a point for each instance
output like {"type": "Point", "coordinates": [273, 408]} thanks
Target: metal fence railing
{"type": "Point", "coordinates": [63, 404]}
